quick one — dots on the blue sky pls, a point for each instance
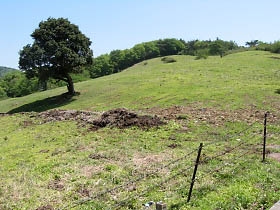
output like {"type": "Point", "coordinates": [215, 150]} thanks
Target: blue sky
{"type": "Point", "coordinates": [120, 24]}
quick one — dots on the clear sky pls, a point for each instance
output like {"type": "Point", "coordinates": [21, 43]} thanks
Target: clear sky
{"type": "Point", "coordinates": [120, 24]}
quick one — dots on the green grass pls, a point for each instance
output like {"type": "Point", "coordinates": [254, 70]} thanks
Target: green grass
{"type": "Point", "coordinates": [235, 81]}
{"type": "Point", "coordinates": [61, 163]}
{"type": "Point", "coordinates": [28, 174]}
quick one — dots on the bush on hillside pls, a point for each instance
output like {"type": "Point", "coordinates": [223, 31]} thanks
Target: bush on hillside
{"type": "Point", "coordinates": [202, 54]}
{"type": "Point", "coordinates": [168, 60]}
{"type": "Point", "coordinates": [264, 46]}
{"type": "Point", "coordinates": [275, 47]}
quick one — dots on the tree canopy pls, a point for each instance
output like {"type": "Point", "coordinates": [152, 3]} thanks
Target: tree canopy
{"type": "Point", "coordinates": [252, 43]}
{"type": "Point", "coordinates": [59, 49]}
{"type": "Point", "coordinates": [119, 60]}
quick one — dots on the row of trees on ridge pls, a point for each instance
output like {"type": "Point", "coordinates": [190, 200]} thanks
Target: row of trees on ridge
{"type": "Point", "coordinates": [60, 51]}
{"type": "Point", "coordinates": [118, 60]}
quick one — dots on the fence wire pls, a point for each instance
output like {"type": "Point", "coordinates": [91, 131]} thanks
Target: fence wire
{"type": "Point", "coordinates": [180, 172]}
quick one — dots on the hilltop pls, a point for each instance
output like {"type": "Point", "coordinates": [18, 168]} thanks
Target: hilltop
{"type": "Point", "coordinates": [4, 70]}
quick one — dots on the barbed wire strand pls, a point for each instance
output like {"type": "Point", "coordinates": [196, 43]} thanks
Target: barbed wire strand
{"type": "Point", "coordinates": [130, 182]}
{"type": "Point", "coordinates": [231, 136]}
{"type": "Point", "coordinates": [212, 171]}
{"type": "Point", "coordinates": [154, 186]}
{"type": "Point", "coordinates": [166, 166]}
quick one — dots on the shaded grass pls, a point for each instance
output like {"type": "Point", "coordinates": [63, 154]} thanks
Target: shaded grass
{"type": "Point", "coordinates": [45, 104]}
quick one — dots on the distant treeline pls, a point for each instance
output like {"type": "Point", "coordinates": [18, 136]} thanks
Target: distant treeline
{"type": "Point", "coordinates": [4, 70]}
{"type": "Point", "coordinates": [15, 84]}
{"type": "Point", "coordinates": [272, 47]}
{"type": "Point", "coordinates": [118, 60]}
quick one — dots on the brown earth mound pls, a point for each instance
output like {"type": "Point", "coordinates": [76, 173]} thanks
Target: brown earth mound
{"type": "Point", "coordinates": [122, 118]}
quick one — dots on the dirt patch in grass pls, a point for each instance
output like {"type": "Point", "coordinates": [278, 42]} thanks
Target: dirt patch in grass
{"type": "Point", "coordinates": [120, 118]}
{"type": "Point", "coordinates": [275, 156]}
{"type": "Point", "coordinates": [148, 162]}
{"type": "Point", "coordinates": [211, 115]}
{"type": "Point", "coordinates": [63, 115]}
{"type": "Point", "coordinates": [89, 170]}
{"type": "Point", "coordinates": [56, 185]}
{"type": "Point", "coordinates": [273, 57]}
{"type": "Point", "coordinates": [173, 146]}
{"type": "Point", "coordinates": [44, 151]}
{"type": "Point", "coordinates": [273, 146]}
{"type": "Point", "coordinates": [26, 123]}
{"type": "Point", "coordinates": [97, 156]}
{"type": "Point", "coordinates": [47, 207]}
{"type": "Point", "coordinates": [123, 118]}
{"type": "Point", "coordinates": [83, 191]}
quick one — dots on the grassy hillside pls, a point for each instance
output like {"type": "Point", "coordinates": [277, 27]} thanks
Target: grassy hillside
{"type": "Point", "coordinates": [235, 81]}
{"type": "Point", "coordinates": [5, 70]}
{"type": "Point", "coordinates": [65, 164]}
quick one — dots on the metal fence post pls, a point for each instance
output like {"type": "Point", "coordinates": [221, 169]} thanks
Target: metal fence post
{"type": "Point", "coordinates": [264, 136]}
{"type": "Point", "coordinates": [194, 172]}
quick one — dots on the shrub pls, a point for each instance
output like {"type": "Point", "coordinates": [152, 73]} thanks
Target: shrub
{"type": "Point", "coordinates": [275, 47]}
{"type": "Point", "coordinates": [264, 46]}
{"type": "Point", "coordinates": [203, 53]}
{"type": "Point", "coordinates": [168, 60]}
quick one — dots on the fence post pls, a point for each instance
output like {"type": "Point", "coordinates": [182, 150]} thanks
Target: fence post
{"type": "Point", "coordinates": [161, 206]}
{"type": "Point", "coordinates": [264, 135]}
{"type": "Point", "coordinates": [194, 172]}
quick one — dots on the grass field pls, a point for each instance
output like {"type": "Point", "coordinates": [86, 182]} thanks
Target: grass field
{"type": "Point", "coordinates": [219, 102]}
{"type": "Point", "coordinates": [235, 81]}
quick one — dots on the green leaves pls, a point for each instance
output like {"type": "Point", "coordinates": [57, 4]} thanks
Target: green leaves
{"type": "Point", "coordinates": [59, 48]}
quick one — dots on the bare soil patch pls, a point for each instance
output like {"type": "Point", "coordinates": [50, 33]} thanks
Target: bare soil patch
{"type": "Point", "coordinates": [83, 191]}
{"type": "Point", "coordinates": [56, 185]}
{"type": "Point", "coordinates": [273, 146]}
{"type": "Point", "coordinates": [44, 151]}
{"type": "Point", "coordinates": [273, 57]}
{"type": "Point", "coordinates": [47, 207]}
{"type": "Point", "coordinates": [27, 123]}
{"type": "Point", "coordinates": [173, 146]}
{"type": "Point", "coordinates": [120, 118]}
{"type": "Point", "coordinates": [64, 115]}
{"type": "Point", "coordinates": [97, 156]}
{"type": "Point", "coordinates": [89, 170]}
{"type": "Point", "coordinates": [147, 162]}
{"type": "Point", "coordinates": [123, 118]}
{"type": "Point", "coordinates": [211, 115]}
{"type": "Point", "coordinates": [275, 156]}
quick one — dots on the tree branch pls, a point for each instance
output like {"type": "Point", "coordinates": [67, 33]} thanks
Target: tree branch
{"type": "Point", "coordinates": [60, 78]}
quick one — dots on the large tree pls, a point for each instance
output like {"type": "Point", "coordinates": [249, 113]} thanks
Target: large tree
{"type": "Point", "coordinates": [59, 48]}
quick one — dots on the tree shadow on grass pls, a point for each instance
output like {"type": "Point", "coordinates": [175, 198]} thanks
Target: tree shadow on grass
{"type": "Point", "coordinates": [45, 104]}
{"type": "Point", "coordinates": [277, 91]}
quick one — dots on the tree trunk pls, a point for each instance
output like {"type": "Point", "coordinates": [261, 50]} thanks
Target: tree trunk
{"type": "Point", "coordinates": [44, 85]}
{"type": "Point", "coordinates": [70, 85]}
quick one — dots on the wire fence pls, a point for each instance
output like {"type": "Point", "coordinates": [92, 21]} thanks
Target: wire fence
{"type": "Point", "coordinates": [225, 158]}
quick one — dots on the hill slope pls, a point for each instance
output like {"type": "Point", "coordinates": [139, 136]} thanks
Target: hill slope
{"type": "Point", "coordinates": [5, 70]}
{"type": "Point", "coordinates": [235, 81]}
{"type": "Point", "coordinates": [69, 160]}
